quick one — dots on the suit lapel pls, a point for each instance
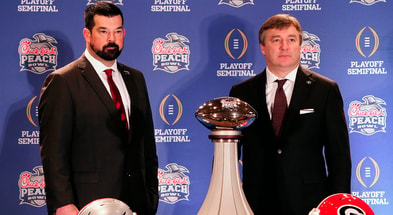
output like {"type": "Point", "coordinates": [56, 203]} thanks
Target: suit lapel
{"type": "Point", "coordinates": [262, 104]}
{"type": "Point", "coordinates": [258, 100]}
{"type": "Point", "coordinates": [130, 83]}
{"type": "Point", "coordinates": [96, 84]}
{"type": "Point", "coordinates": [128, 80]}
{"type": "Point", "coordinates": [301, 91]}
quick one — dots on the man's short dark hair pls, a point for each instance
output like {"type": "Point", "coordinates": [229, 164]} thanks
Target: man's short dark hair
{"type": "Point", "coordinates": [100, 8]}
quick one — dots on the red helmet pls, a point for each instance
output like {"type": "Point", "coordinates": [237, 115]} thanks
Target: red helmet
{"type": "Point", "coordinates": [342, 204]}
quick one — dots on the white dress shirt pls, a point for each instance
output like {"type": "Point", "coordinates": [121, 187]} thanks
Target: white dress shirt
{"type": "Point", "coordinates": [117, 78]}
{"type": "Point", "coordinates": [271, 87]}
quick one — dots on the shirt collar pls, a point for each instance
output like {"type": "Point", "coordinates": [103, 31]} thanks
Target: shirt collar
{"type": "Point", "coordinates": [97, 65]}
{"type": "Point", "coordinates": [270, 77]}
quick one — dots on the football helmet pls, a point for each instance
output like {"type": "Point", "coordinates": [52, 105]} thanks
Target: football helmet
{"type": "Point", "coordinates": [106, 206]}
{"type": "Point", "coordinates": [342, 204]}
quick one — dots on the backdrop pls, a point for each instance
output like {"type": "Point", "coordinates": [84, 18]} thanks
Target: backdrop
{"type": "Point", "coordinates": [192, 51]}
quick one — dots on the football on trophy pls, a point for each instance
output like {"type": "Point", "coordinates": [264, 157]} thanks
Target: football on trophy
{"type": "Point", "coordinates": [226, 113]}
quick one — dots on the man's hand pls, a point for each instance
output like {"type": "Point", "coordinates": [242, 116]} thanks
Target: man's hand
{"type": "Point", "coordinates": [67, 210]}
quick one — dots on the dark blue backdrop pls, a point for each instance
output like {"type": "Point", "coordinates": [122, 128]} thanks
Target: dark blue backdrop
{"type": "Point", "coordinates": [215, 45]}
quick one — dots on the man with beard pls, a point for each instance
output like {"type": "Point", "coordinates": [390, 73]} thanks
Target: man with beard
{"type": "Point", "coordinates": [96, 127]}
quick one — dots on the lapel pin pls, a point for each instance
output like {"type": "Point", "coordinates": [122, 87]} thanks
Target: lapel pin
{"type": "Point", "coordinates": [308, 82]}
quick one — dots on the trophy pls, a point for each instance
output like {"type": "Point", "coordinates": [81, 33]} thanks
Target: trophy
{"type": "Point", "coordinates": [225, 117]}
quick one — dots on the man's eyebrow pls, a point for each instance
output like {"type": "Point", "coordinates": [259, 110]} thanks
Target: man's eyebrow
{"type": "Point", "coordinates": [102, 27]}
{"type": "Point", "coordinates": [290, 35]}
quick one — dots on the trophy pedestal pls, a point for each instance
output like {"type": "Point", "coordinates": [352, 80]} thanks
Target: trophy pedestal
{"type": "Point", "coordinates": [225, 195]}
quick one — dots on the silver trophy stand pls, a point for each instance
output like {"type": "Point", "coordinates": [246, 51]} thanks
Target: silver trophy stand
{"type": "Point", "coordinates": [225, 117]}
{"type": "Point", "coordinates": [225, 195]}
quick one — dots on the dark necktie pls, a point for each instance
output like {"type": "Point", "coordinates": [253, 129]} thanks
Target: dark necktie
{"type": "Point", "coordinates": [280, 107]}
{"type": "Point", "coordinates": [117, 98]}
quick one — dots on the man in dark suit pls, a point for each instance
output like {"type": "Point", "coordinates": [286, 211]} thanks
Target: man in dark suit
{"type": "Point", "coordinates": [88, 150]}
{"type": "Point", "coordinates": [290, 169]}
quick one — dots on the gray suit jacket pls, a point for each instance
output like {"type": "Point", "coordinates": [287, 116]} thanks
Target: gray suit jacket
{"type": "Point", "coordinates": [287, 175]}
{"type": "Point", "coordinates": [86, 153]}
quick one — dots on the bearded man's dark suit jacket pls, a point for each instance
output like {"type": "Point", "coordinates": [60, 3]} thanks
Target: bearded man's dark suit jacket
{"type": "Point", "coordinates": [287, 175]}
{"type": "Point", "coordinates": [85, 150]}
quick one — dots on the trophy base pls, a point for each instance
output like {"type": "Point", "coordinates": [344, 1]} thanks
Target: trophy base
{"type": "Point", "coordinates": [225, 195]}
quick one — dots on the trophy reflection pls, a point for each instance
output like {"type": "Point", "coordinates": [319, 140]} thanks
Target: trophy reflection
{"type": "Point", "coordinates": [225, 117]}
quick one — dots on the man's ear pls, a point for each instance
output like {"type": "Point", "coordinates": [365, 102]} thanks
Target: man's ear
{"type": "Point", "coordinates": [262, 48]}
{"type": "Point", "coordinates": [86, 34]}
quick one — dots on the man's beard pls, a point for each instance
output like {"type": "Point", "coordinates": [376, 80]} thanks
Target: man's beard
{"type": "Point", "coordinates": [110, 54]}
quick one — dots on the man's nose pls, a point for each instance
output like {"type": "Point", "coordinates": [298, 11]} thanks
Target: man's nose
{"type": "Point", "coordinates": [111, 36]}
{"type": "Point", "coordinates": [284, 45]}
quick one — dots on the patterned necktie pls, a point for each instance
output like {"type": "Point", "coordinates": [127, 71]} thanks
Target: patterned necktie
{"type": "Point", "coordinates": [280, 106]}
{"type": "Point", "coordinates": [117, 98]}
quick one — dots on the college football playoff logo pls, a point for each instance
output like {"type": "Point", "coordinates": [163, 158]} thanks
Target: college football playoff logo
{"type": "Point", "coordinates": [367, 172]}
{"type": "Point", "coordinates": [171, 109]}
{"type": "Point", "coordinates": [236, 42]}
{"type": "Point", "coordinates": [367, 41]}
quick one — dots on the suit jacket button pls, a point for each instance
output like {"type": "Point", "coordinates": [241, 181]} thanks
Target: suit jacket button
{"type": "Point", "coordinates": [279, 151]}
{"type": "Point", "coordinates": [128, 174]}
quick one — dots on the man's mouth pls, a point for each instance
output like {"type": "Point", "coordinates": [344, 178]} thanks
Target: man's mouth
{"type": "Point", "coordinates": [111, 47]}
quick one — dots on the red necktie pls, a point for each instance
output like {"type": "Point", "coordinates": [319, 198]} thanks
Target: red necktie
{"type": "Point", "coordinates": [117, 98]}
{"type": "Point", "coordinates": [280, 107]}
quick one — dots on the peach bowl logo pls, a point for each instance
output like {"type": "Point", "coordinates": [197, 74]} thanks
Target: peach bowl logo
{"type": "Point", "coordinates": [311, 51]}
{"type": "Point", "coordinates": [366, 2]}
{"type": "Point", "coordinates": [32, 187]}
{"type": "Point", "coordinates": [171, 109]}
{"type": "Point", "coordinates": [38, 55]}
{"type": "Point", "coordinates": [367, 40]}
{"type": "Point", "coordinates": [174, 184]}
{"type": "Point", "coordinates": [236, 43]}
{"type": "Point", "coordinates": [118, 2]}
{"type": "Point", "coordinates": [367, 117]}
{"type": "Point", "coordinates": [236, 3]}
{"type": "Point", "coordinates": [367, 172]}
{"type": "Point", "coordinates": [171, 55]}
